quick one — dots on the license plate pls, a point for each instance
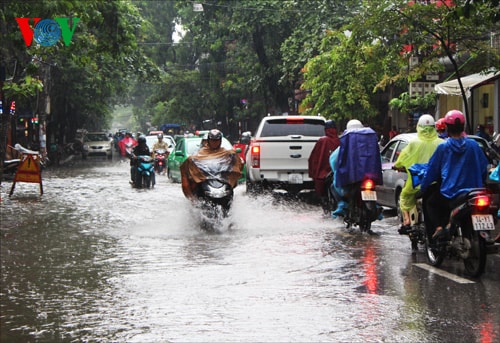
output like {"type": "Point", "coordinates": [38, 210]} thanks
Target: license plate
{"type": "Point", "coordinates": [295, 179]}
{"type": "Point", "coordinates": [483, 222]}
{"type": "Point", "coordinates": [369, 195]}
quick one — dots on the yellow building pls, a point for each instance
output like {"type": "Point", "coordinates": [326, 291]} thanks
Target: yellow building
{"type": "Point", "coordinates": [483, 99]}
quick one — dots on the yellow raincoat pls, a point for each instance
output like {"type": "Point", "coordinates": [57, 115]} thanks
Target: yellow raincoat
{"type": "Point", "coordinates": [417, 151]}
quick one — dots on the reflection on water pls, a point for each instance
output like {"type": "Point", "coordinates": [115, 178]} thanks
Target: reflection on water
{"type": "Point", "coordinates": [95, 260]}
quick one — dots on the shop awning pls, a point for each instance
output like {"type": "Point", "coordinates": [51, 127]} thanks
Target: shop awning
{"type": "Point", "coordinates": [469, 82]}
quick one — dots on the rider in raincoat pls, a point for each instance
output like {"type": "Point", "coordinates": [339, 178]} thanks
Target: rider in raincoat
{"type": "Point", "coordinates": [458, 164]}
{"type": "Point", "coordinates": [357, 157]}
{"type": "Point", "coordinates": [319, 165]}
{"type": "Point", "coordinates": [417, 151]}
{"type": "Point", "coordinates": [192, 176]}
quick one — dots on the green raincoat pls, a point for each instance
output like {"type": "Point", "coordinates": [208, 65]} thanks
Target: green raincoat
{"type": "Point", "coordinates": [417, 151]}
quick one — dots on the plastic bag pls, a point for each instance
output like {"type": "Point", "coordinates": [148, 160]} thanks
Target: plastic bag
{"type": "Point", "coordinates": [495, 174]}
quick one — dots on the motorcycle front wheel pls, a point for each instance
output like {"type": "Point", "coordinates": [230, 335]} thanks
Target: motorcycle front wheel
{"type": "Point", "coordinates": [476, 261]}
{"type": "Point", "coordinates": [435, 254]}
{"type": "Point", "coordinates": [146, 181]}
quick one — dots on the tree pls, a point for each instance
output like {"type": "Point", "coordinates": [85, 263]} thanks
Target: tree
{"type": "Point", "coordinates": [82, 80]}
{"type": "Point", "coordinates": [342, 79]}
{"type": "Point", "coordinates": [248, 55]}
{"type": "Point", "coordinates": [383, 37]}
{"type": "Point", "coordinates": [454, 31]}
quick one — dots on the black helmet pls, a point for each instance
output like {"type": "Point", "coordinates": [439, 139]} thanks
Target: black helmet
{"type": "Point", "coordinates": [160, 135]}
{"type": "Point", "coordinates": [214, 134]}
{"type": "Point", "coordinates": [141, 139]}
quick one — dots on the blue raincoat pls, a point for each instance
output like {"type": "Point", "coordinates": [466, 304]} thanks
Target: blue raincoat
{"type": "Point", "coordinates": [358, 157]}
{"type": "Point", "coordinates": [459, 164]}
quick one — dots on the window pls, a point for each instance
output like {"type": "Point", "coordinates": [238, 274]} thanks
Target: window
{"type": "Point", "coordinates": [284, 127]}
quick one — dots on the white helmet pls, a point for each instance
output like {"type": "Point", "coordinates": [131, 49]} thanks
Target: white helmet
{"type": "Point", "coordinates": [426, 120]}
{"type": "Point", "coordinates": [354, 124]}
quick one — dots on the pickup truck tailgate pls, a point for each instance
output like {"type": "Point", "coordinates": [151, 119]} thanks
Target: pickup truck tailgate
{"type": "Point", "coordinates": [287, 155]}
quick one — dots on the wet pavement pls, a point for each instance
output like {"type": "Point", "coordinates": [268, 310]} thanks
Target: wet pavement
{"type": "Point", "coordinates": [96, 260]}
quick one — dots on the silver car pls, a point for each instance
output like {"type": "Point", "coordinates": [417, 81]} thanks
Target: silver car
{"type": "Point", "coordinates": [394, 181]}
{"type": "Point", "coordinates": [97, 144]}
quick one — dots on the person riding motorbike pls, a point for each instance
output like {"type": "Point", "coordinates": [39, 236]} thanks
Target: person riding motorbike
{"type": "Point", "coordinates": [457, 166]}
{"type": "Point", "coordinates": [357, 157]}
{"type": "Point", "coordinates": [243, 143]}
{"type": "Point", "coordinates": [319, 165]}
{"type": "Point", "coordinates": [191, 176]}
{"type": "Point", "coordinates": [159, 145]}
{"type": "Point", "coordinates": [417, 151]}
{"type": "Point", "coordinates": [128, 140]}
{"type": "Point", "coordinates": [441, 128]}
{"type": "Point", "coordinates": [140, 149]}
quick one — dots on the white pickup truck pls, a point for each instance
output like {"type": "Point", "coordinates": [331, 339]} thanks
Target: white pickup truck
{"type": "Point", "coordinates": [278, 154]}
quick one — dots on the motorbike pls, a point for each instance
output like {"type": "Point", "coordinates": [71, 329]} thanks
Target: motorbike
{"type": "Point", "coordinates": [362, 207]}
{"type": "Point", "coordinates": [467, 236]}
{"type": "Point", "coordinates": [144, 174]}
{"type": "Point", "coordinates": [160, 160]}
{"type": "Point", "coordinates": [215, 193]}
{"type": "Point", "coordinates": [9, 168]}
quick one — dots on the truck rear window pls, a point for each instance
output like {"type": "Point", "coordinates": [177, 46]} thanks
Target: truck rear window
{"type": "Point", "coordinates": [284, 127]}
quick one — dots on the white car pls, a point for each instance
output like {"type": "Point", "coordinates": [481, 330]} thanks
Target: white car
{"type": "Point", "coordinates": [97, 144]}
{"type": "Point", "coordinates": [278, 154]}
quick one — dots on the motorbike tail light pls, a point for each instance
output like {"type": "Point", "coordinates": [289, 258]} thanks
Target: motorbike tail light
{"type": "Point", "coordinates": [255, 156]}
{"type": "Point", "coordinates": [368, 184]}
{"type": "Point", "coordinates": [481, 201]}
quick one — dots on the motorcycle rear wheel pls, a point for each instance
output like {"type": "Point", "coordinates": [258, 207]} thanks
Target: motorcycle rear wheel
{"type": "Point", "coordinates": [476, 261]}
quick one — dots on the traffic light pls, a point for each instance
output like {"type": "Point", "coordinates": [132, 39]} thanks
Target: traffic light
{"type": "Point", "coordinates": [12, 107]}
{"type": "Point", "coordinates": [34, 120]}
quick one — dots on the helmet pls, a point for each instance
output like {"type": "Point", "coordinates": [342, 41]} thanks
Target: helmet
{"type": "Point", "coordinates": [214, 134]}
{"type": "Point", "coordinates": [160, 135]}
{"type": "Point", "coordinates": [426, 120]}
{"type": "Point", "coordinates": [141, 139]}
{"type": "Point", "coordinates": [330, 124]}
{"type": "Point", "coordinates": [454, 117]}
{"type": "Point", "coordinates": [354, 124]}
{"type": "Point", "coordinates": [440, 124]}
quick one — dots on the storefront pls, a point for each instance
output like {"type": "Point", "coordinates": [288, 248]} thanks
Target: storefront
{"type": "Point", "coordinates": [483, 99]}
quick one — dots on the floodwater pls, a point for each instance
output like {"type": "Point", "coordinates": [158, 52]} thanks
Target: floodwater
{"type": "Point", "coordinates": [96, 260]}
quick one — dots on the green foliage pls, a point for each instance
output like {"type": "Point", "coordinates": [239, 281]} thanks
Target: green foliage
{"type": "Point", "coordinates": [407, 104]}
{"type": "Point", "coordinates": [26, 87]}
{"type": "Point", "coordinates": [85, 79]}
{"type": "Point", "coordinates": [343, 78]}
{"type": "Point", "coordinates": [122, 52]}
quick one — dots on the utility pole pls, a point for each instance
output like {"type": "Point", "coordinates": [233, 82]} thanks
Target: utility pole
{"type": "Point", "coordinates": [3, 122]}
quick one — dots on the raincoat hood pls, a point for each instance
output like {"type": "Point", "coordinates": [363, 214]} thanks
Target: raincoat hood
{"type": "Point", "coordinates": [427, 133]}
{"type": "Point", "coordinates": [331, 132]}
{"type": "Point", "coordinates": [457, 145]}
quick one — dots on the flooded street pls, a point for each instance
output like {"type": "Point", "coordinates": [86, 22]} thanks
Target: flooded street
{"type": "Point", "coordinates": [96, 260]}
